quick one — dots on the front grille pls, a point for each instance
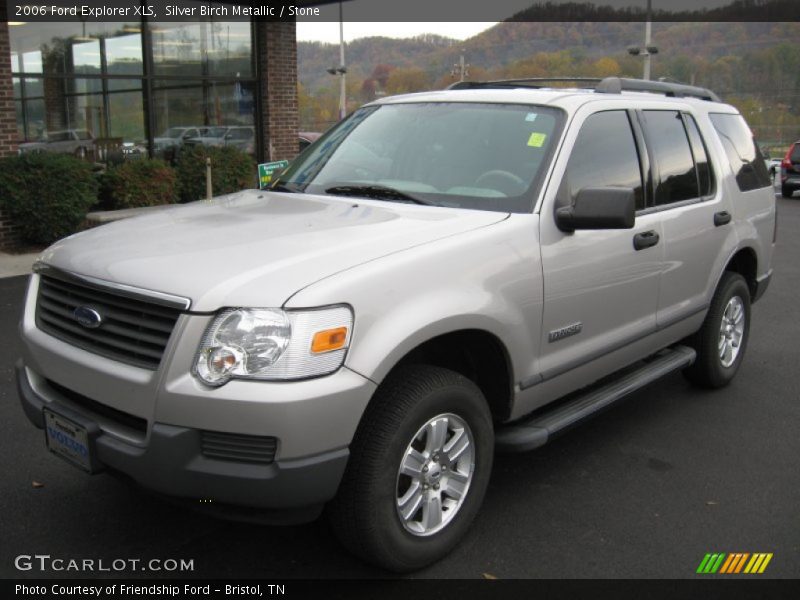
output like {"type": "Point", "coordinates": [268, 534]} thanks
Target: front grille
{"type": "Point", "coordinates": [93, 406]}
{"type": "Point", "coordinates": [237, 447]}
{"type": "Point", "coordinates": [134, 331]}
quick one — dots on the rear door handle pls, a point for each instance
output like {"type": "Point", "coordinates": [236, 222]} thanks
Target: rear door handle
{"type": "Point", "coordinates": [645, 240]}
{"type": "Point", "coordinates": [722, 218]}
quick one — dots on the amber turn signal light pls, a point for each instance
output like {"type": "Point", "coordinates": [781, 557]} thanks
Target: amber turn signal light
{"type": "Point", "coordinates": [330, 339]}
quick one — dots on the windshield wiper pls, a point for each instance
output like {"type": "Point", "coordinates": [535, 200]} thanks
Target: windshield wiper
{"type": "Point", "coordinates": [378, 192]}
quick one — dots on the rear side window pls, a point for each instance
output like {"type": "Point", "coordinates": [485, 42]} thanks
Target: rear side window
{"type": "Point", "coordinates": [743, 153]}
{"type": "Point", "coordinates": [704, 176]}
{"type": "Point", "coordinates": [605, 155]}
{"type": "Point", "coordinates": [667, 139]}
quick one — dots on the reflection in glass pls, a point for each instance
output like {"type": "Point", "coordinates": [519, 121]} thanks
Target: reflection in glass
{"type": "Point", "coordinates": [86, 56]}
{"type": "Point", "coordinates": [32, 62]}
{"type": "Point", "coordinates": [677, 176]}
{"type": "Point", "coordinates": [89, 78]}
{"type": "Point", "coordinates": [75, 48]}
{"type": "Point", "coordinates": [210, 47]}
{"type": "Point", "coordinates": [178, 48]}
{"type": "Point", "coordinates": [126, 117]}
{"type": "Point", "coordinates": [124, 54]}
{"type": "Point", "coordinates": [605, 155]}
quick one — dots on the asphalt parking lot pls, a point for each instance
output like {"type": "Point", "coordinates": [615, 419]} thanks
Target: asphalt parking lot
{"type": "Point", "coordinates": [644, 490]}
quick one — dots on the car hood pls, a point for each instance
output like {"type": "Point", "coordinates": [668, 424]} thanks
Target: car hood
{"type": "Point", "coordinates": [254, 248]}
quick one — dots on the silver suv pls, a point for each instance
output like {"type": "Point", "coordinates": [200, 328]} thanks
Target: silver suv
{"type": "Point", "coordinates": [418, 289]}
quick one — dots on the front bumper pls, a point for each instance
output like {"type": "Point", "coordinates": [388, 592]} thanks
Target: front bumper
{"type": "Point", "coordinates": [172, 463]}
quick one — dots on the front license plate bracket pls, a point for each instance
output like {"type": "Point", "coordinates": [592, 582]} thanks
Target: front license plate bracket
{"type": "Point", "coordinates": [71, 436]}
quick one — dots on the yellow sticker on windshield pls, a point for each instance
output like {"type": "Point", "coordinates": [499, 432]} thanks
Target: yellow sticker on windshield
{"type": "Point", "coordinates": [537, 139]}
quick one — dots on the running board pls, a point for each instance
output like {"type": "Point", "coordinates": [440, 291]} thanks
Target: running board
{"type": "Point", "coordinates": [536, 431]}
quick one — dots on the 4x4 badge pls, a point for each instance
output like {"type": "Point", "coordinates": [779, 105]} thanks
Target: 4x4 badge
{"type": "Point", "coordinates": [88, 317]}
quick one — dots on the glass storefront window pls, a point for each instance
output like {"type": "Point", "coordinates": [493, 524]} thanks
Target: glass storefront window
{"type": "Point", "coordinates": [124, 53]}
{"type": "Point", "coordinates": [206, 48]}
{"type": "Point", "coordinates": [126, 120]}
{"type": "Point", "coordinates": [230, 49]}
{"type": "Point", "coordinates": [74, 48]}
{"type": "Point", "coordinates": [32, 62]}
{"type": "Point", "coordinates": [84, 82]}
{"type": "Point", "coordinates": [20, 119]}
{"type": "Point", "coordinates": [207, 113]}
{"type": "Point", "coordinates": [86, 56]}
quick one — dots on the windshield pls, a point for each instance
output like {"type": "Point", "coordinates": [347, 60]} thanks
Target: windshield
{"type": "Point", "coordinates": [469, 155]}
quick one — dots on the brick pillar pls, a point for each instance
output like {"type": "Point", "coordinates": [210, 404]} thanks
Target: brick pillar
{"type": "Point", "coordinates": [8, 121]}
{"type": "Point", "coordinates": [277, 68]}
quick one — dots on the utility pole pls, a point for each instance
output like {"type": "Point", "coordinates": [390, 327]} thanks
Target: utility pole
{"type": "Point", "coordinates": [460, 69]}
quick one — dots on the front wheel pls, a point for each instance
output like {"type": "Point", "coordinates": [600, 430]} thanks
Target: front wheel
{"type": "Point", "coordinates": [721, 341]}
{"type": "Point", "coordinates": [418, 469]}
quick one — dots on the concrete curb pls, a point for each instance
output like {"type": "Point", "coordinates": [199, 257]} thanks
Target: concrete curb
{"type": "Point", "coordinates": [12, 265]}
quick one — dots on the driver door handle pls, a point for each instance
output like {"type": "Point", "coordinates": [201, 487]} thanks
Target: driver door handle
{"type": "Point", "coordinates": [645, 239]}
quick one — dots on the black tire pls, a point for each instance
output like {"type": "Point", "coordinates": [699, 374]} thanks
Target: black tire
{"type": "Point", "coordinates": [364, 515]}
{"type": "Point", "coordinates": [709, 370]}
{"type": "Point", "coordinates": [787, 191]}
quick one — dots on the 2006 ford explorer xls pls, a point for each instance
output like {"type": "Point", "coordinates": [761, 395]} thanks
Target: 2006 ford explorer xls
{"type": "Point", "coordinates": [414, 291]}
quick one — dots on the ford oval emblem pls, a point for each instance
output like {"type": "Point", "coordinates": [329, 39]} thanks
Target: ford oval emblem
{"type": "Point", "coordinates": [88, 317]}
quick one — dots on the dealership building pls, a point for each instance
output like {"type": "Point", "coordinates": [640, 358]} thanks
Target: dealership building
{"type": "Point", "coordinates": [132, 89]}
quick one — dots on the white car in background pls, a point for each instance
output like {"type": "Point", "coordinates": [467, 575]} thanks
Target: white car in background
{"type": "Point", "coordinates": [67, 141]}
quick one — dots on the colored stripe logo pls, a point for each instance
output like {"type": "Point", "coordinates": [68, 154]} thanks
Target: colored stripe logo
{"type": "Point", "coordinates": [734, 563]}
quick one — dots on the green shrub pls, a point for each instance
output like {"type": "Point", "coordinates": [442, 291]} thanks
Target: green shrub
{"type": "Point", "coordinates": [143, 182]}
{"type": "Point", "coordinates": [231, 170]}
{"type": "Point", "coordinates": [46, 194]}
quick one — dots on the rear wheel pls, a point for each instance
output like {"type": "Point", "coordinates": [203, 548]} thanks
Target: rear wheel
{"type": "Point", "coordinates": [721, 341]}
{"type": "Point", "coordinates": [787, 191]}
{"type": "Point", "coordinates": [418, 470]}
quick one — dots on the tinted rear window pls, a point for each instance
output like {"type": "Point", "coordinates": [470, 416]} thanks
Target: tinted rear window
{"type": "Point", "coordinates": [677, 176]}
{"type": "Point", "coordinates": [743, 153]}
{"type": "Point", "coordinates": [795, 155]}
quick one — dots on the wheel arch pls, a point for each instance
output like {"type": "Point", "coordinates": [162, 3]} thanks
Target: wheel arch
{"type": "Point", "coordinates": [744, 262]}
{"type": "Point", "coordinates": [477, 354]}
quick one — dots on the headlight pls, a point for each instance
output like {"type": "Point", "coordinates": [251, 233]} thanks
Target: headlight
{"type": "Point", "coordinates": [273, 344]}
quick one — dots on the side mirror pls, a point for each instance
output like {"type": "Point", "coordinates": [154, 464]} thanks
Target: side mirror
{"type": "Point", "coordinates": [599, 208]}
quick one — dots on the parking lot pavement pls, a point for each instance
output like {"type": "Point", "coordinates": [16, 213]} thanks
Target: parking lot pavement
{"type": "Point", "coordinates": [644, 490]}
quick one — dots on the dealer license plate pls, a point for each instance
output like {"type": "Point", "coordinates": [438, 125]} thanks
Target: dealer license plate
{"type": "Point", "coordinates": [68, 439]}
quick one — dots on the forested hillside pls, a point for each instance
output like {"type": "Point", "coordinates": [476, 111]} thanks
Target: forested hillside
{"type": "Point", "coordinates": [756, 66]}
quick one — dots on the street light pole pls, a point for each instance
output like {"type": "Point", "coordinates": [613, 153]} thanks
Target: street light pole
{"type": "Point", "coordinates": [342, 68]}
{"type": "Point", "coordinates": [648, 49]}
{"type": "Point", "coordinates": [648, 27]}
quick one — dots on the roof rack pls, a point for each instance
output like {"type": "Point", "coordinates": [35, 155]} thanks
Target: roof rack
{"type": "Point", "coordinates": [609, 85]}
{"type": "Point", "coordinates": [616, 85]}
{"type": "Point", "coordinates": [532, 82]}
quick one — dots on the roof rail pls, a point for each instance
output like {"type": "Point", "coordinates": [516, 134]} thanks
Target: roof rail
{"type": "Point", "coordinates": [609, 85]}
{"type": "Point", "coordinates": [617, 85]}
{"type": "Point", "coordinates": [532, 82]}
